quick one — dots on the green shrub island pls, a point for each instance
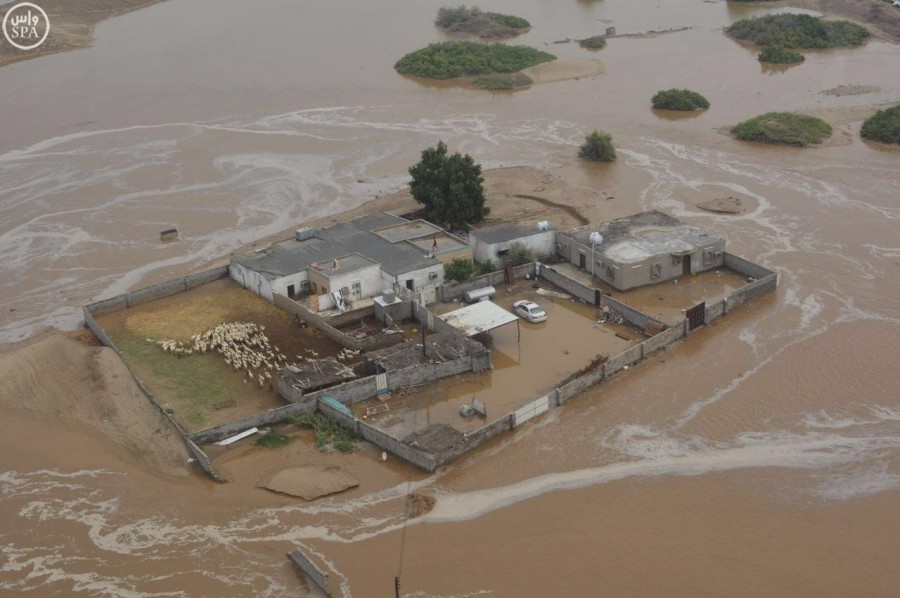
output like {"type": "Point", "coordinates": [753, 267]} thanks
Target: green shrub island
{"type": "Point", "coordinates": [597, 146]}
{"type": "Point", "coordinates": [779, 55]}
{"type": "Point", "coordinates": [798, 31]}
{"type": "Point", "coordinates": [595, 42]}
{"type": "Point", "coordinates": [462, 18]}
{"type": "Point", "coordinates": [883, 126]}
{"type": "Point", "coordinates": [784, 128]}
{"type": "Point", "coordinates": [679, 99]}
{"type": "Point", "coordinates": [448, 60]}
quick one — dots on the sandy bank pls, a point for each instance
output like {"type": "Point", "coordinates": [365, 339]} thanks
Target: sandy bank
{"type": "Point", "coordinates": [62, 380]}
{"type": "Point", "coordinates": [71, 25]}
{"type": "Point", "coordinates": [563, 70]}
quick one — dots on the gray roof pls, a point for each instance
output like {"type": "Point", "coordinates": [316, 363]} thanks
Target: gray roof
{"type": "Point", "coordinates": [340, 241]}
{"type": "Point", "coordinates": [503, 233]}
{"type": "Point", "coordinates": [357, 237]}
{"type": "Point", "coordinates": [642, 236]}
{"type": "Point", "coordinates": [290, 256]}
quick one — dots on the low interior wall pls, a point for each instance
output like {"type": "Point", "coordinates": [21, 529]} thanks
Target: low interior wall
{"type": "Point", "coordinates": [476, 439]}
{"type": "Point", "coordinates": [631, 315]}
{"type": "Point", "coordinates": [395, 446]}
{"type": "Point", "coordinates": [573, 287]}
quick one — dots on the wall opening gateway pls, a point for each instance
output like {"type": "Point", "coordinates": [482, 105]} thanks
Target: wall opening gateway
{"type": "Point", "coordinates": [582, 261]}
{"type": "Point", "coordinates": [409, 285]}
{"type": "Point", "coordinates": [686, 265]}
{"type": "Point", "coordinates": [291, 291]}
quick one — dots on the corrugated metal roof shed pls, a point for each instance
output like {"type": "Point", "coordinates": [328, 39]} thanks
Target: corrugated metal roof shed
{"type": "Point", "coordinates": [479, 317]}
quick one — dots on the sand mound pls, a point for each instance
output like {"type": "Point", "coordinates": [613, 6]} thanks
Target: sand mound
{"type": "Point", "coordinates": [310, 481]}
{"type": "Point", "coordinates": [62, 379]}
{"type": "Point", "coordinates": [563, 69]}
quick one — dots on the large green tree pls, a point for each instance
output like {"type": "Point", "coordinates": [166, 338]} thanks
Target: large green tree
{"type": "Point", "coordinates": [450, 187]}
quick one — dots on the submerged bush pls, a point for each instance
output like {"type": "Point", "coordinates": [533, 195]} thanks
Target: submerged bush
{"type": "Point", "coordinates": [779, 55]}
{"type": "Point", "coordinates": [448, 60]}
{"type": "Point", "coordinates": [798, 31]}
{"type": "Point", "coordinates": [679, 99]}
{"type": "Point", "coordinates": [883, 126]}
{"type": "Point", "coordinates": [597, 146]}
{"type": "Point", "coordinates": [326, 431]}
{"type": "Point", "coordinates": [595, 42]}
{"type": "Point", "coordinates": [783, 127]}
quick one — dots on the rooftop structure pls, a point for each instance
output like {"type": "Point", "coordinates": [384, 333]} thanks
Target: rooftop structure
{"type": "Point", "coordinates": [479, 317]}
{"type": "Point", "coordinates": [493, 243]}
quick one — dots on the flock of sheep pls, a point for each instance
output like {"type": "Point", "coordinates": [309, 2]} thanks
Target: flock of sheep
{"type": "Point", "coordinates": [244, 346]}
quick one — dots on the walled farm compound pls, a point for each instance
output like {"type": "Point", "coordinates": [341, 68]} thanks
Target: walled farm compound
{"type": "Point", "coordinates": [355, 322]}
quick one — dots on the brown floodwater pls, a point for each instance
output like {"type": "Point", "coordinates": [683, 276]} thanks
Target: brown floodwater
{"type": "Point", "coordinates": [760, 457]}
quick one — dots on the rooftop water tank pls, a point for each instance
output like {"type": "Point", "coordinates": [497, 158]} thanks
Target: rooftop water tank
{"type": "Point", "coordinates": [596, 238]}
{"type": "Point", "coordinates": [544, 225]}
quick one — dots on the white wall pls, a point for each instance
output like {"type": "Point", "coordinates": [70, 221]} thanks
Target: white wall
{"type": "Point", "coordinates": [280, 285]}
{"type": "Point", "coordinates": [542, 244]}
{"type": "Point", "coordinates": [369, 277]}
{"type": "Point", "coordinates": [251, 280]}
{"type": "Point", "coordinates": [421, 278]}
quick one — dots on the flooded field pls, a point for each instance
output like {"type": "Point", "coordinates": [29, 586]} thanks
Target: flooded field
{"type": "Point", "coordinates": [759, 457]}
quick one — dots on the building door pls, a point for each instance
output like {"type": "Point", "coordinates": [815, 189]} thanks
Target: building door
{"type": "Point", "coordinates": [582, 261]}
{"type": "Point", "coordinates": [356, 290]}
{"type": "Point", "coordinates": [409, 284]}
{"type": "Point", "coordinates": [686, 265]}
{"type": "Point", "coordinates": [290, 290]}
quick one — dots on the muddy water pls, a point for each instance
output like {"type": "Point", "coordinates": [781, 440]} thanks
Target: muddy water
{"type": "Point", "coordinates": [760, 457]}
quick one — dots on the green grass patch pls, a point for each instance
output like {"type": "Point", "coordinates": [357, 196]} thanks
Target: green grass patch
{"type": "Point", "coordinates": [595, 42]}
{"type": "Point", "coordinates": [327, 432]}
{"type": "Point", "coordinates": [778, 55]}
{"type": "Point", "coordinates": [679, 99]}
{"type": "Point", "coordinates": [272, 439]}
{"type": "Point", "coordinates": [448, 60]}
{"type": "Point", "coordinates": [783, 128]}
{"type": "Point", "coordinates": [883, 126]}
{"type": "Point", "coordinates": [194, 383]}
{"type": "Point", "coordinates": [798, 31]}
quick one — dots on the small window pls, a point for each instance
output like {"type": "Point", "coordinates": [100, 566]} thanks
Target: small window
{"type": "Point", "coordinates": [502, 252]}
{"type": "Point", "coordinates": [655, 271]}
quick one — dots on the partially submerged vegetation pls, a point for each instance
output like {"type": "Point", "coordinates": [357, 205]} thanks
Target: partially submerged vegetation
{"type": "Point", "coordinates": [779, 55]}
{"type": "Point", "coordinates": [473, 20]}
{"type": "Point", "coordinates": [783, 128]}
{"type": "Point", "coordinates": [679, 99]}
{"type": "Point", "coordinates": [883, 126]}
{"type": "Point", "coordinates": [272, 439]}
{"type": "Point", "coordinates": [596, 42]}
{"type": "Point", "coordinates": [798, 31]}
{"type": "Point", "coordinates": [448, 60]}
{"type": "Point", "coordinates": [327, 432]}
{"type": "Point", "coordinates": [597, 146]}
{"type": "Point", "coordinates": [502, 81]}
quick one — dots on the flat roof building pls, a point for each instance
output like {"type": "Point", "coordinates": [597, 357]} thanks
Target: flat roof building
{"type": "Point", "coordinates": [493, 243]}
{"type": "Point", "coordinates": [641, 249]}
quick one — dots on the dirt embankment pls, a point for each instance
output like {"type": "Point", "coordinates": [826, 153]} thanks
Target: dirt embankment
{"type": "Point", "coordinates": [64, 380]}
{"type": "Point", "coordinates": [71, 25]}
{"type": "Point", "coordinates": [876, 13]}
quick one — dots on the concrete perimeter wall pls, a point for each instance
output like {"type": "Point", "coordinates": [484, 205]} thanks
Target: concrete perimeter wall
{"type": "Point", "coordinates": [312, 572]}
{"type": "Point", "coordinates": [156, 291]}
{"type": "Point", "coordinates": [397, 447]}
{"type": "Point", "coordinates": [476, 439]}
{"type": "Point", "coordinates": [577, 289]}
{"type": "Point", "coordinates": [764, 281]}
{"type": "Point", "coordinates": [195, 450]}
{"type": "Point", "coordinates": [266, 418]}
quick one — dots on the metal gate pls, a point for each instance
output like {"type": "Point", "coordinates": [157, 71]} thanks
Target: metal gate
{"type": "Point", "coordinates": [696, 316]}
{"type": "Point", "coordinates": [533, 409]}
{"type": "Point", "coordinates": [381, 383]}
